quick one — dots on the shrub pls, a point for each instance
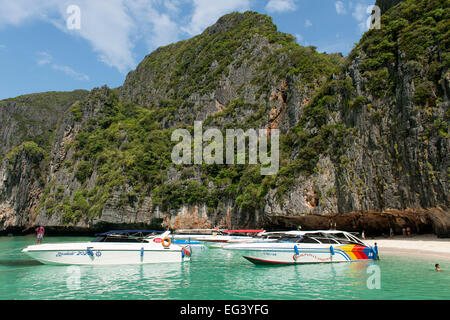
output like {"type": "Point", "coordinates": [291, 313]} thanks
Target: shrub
{"type": "Point", "coordinates": [84, 171]}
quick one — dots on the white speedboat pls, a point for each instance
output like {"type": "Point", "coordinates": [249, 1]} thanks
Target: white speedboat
{"type": "Point", "coordinates": [193, 237]}
{"type": "Point", "coordinates": [307, 247]}
{"type": "Point", "coordinates": [112, 248]}
{"type": "Point", "coordinates": [225, 237]}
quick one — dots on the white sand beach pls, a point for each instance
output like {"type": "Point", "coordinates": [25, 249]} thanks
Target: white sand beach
{"type": "Point", "coordinates": [417, 245]}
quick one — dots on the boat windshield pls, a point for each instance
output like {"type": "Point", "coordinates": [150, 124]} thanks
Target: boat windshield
{"type": "Point", "coordinates": [290, 239]}
{"type": "Point", "coordinates": [323, 238]}
{"type": "Point", "coordinates": [118, 239]}
{"type": "Point", "coordinates": [198, 231]}
{"type": "Point", "coordinates": [307, 240]}
{"type": "Point", "coordinates": [345, 238]}
{"type": "Point", "coordinates": [239, 234]}
{"type": "Point", "coordinates": [133, 236]}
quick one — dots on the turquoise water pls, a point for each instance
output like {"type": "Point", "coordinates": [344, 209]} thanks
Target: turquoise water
{"type": "Point", "coordinates": [218, 274]}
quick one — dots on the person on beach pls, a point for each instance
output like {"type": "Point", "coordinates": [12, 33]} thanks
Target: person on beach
{"type": "Point", "coordinates": [404, 232]}
{"type": "Point", "coordinates": [40, 234]}
{"type": "Point", "coordinates": [408, 230]}
{"type": "Point", "coordinates": [437, 266]}
{"type": "Point", "coordinates": [363, 235]}
{"type": "Point", "coordinates": [391, 233]}
{"type": "Point", "coordinates": [377, 257]}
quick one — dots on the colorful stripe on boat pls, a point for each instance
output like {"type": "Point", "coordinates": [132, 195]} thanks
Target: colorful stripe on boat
{"type": "Point", "coordinates": [357, 252]}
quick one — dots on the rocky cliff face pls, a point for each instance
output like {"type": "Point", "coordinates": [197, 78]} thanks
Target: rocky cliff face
{"type": "Point", "coordinates": [33, 118]}
{"type": "Point", "coordinates": [395, 161]}
{"type": "Point", "coordinates": [241, 62]}
{"type": "Point", "coordinates": [27, 127]}
{"type": "Point", "coordinates": [364, 139]}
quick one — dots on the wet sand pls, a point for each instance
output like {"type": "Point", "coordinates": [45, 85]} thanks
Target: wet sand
{"type": "Point", "coordinates": [426, 246]}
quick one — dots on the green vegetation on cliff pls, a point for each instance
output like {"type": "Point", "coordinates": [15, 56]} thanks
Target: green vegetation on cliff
{"type": "Point", "coordinates": [416, 32]}
{"type": "Point", "coordinates": [356, 114]}
{"type": "Point", "coordinates": [127, 148]}
{"type": "Point", "coordinates": [198, 65]}
{"type": "Point", "coordinates": [34, 117]}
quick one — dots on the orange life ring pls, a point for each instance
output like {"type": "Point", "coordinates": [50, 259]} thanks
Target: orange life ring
{"type": "Point", "coordinates": [166, 242]}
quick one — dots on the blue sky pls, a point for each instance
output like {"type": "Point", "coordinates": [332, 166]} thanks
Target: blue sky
{"type": "Point", "coordinates": [42, 48]}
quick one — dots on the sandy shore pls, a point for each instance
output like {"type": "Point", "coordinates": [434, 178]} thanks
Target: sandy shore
{"type": "Point", "coordinates": [429, 246]}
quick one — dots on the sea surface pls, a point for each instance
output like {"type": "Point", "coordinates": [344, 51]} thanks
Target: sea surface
{"type": "Point", "coordinates": [216, 274]}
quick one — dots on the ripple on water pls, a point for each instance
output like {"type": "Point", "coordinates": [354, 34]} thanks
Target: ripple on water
{"type": "Point", "coordinates": [216, 274]}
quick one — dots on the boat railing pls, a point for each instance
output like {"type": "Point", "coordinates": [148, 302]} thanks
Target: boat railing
{"type": "Point", "coordinates": [126, 235]}
{"type": "Point", "coordinates": [197, 231]}
{"type": "Point", "coordinates": [321, 238]}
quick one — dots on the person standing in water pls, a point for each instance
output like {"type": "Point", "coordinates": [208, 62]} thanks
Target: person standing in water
{"type": "Point", "coordinates": [437, 266]}
{"type": "Point", "coordinates": [40, 234]}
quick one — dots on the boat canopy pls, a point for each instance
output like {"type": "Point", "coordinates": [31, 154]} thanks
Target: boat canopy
{"type": "Point", "coordinates": [135, 233]}
{"type": "Point", "coordinates": [243, 231]}
{"type": "Point", "coordinates": [324, 236]}
{"type": "Point", "coordinates": [197, 231]}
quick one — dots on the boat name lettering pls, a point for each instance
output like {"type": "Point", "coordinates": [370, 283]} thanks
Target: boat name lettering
{"type": "Point", "coordinates": [86, 253]}
{"type": "Point", "coordinates": [70, 253]}
{"type": "Point", "coordinates": [269, 254]}
{"type": "Point", "coordinates": [314, 256]}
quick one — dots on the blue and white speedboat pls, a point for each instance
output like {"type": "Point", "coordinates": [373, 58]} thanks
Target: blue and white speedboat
{"type": "Point", "coordinates": [225, 237]}
{"type": "Point", "coordinates": [182, 241]}
{"type": "Point", "coordinates": [297, 247]}
{"type": "Point", "coordinates": [194, 237]}
{"type": "Point", "coordinates": [113, 248]}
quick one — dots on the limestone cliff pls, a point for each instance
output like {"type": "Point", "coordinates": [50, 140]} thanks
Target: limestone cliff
{"type": "Point", "coordinates": [364, 139]}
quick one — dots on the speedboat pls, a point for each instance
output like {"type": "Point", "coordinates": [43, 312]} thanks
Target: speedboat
{"type": "Point", "coordinates": [113, 248]}
{"type": "Point", "coordinates": [192, 237]}
{"type": "Point", "coordinates": [225, 237]}
{"type": "Point", "coordinates": [297, 247]}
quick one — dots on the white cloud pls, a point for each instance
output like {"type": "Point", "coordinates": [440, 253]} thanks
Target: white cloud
{"type": "Point", "coordinates": [70, 72]}
{"type": "Point", "coordinates": [165, 31]}
{"type": "Point", "coordinates": [362, 27]}
{"type": "Point", "coordinates": [45, 58]}
{"type": "Point", "coordinates": [172, 6]}
{"type": "Point", "coordinates": [109, 28]}
{"type": "Point", "coordinates": [206, 13]}
{"type": "Point", "coordinates": [308, 23]}
{"type": "Point", "coordinates": [280, 6]}
{"type": "Point", "coordinates": [360, 12]}
{"type": "Point", "coordinates": [340, 9]}
{"type": "Point", "coordinates": [158, 29]}
{"type": "Point", "coordinates": [301, 41]}
{"type": "Point", "coordinates": [112, 27]}
{"type": "Point", "coordinates": [18, 11]}
{"type": "Point", "coordinates": [361, 15]}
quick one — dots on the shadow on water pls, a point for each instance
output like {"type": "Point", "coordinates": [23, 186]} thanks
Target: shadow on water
{"type": "Point", "coordinates": [9, 262]}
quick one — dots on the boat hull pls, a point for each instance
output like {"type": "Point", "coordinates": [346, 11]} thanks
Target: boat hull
{"type": "Point", "coordinates": [105, 254]}
{"type": "Point", "coordinates": [317, 254]}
